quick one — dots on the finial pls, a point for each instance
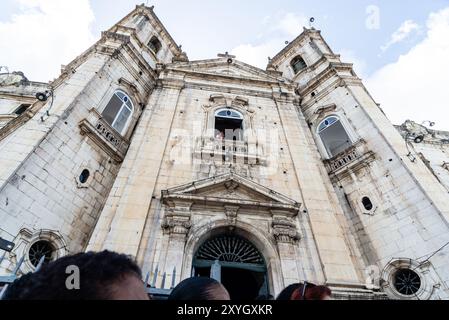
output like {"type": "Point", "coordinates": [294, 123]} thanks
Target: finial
{"type": "Point", "coordinates": [311, 21]}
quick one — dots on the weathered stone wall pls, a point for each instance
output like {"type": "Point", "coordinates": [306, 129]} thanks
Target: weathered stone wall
{"type": "Point", "coordinates": [409, 215]}
{"type": "Point", "coordinates": [178, 185]}
{"type": "Point", "coordinates": [42, 159]}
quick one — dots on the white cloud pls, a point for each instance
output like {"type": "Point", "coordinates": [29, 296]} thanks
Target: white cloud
{"type": "Point", "coordinates": [44, 35]}
{"type": "Point", "coordinates": [416, 85]}
{"type": "Point", "coordinates": [280, 28]}
{"type": "Point", "coordinates": [257, 55]}
{"type": "Point", "coordinates": [404, 31]}
{"type": "Point", "coordinates": [292, 24]}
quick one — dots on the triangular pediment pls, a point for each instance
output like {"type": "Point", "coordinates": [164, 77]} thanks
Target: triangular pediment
{"type": "Point", "coordinates": [231, 189]}
{"type": "Point", "coordinates": [221, 67]}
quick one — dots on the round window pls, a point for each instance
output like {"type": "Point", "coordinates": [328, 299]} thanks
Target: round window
{"type": "Point", "coordinates": [84, 176]}
{"type": "Point", "coordinates": [407, 282]}
{"type": "Point", "coordinates": [40, 249]}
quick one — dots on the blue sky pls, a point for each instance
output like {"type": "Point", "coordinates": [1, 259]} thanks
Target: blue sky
{"type": "Point", "coordinates": [384, 39]}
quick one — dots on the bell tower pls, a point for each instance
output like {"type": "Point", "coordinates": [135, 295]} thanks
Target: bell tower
{"type": "Point", "coordinates": [383, 188]}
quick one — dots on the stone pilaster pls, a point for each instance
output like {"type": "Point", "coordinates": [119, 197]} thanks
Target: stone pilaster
{"type": "Point", "coordinates": [319, 198]}
{"type": "Point", "coordinates": [286, 234]}
{"type": "Point", "coordinates": [176, 224]}
{"type": "Point", "coordinates": [121, 224]}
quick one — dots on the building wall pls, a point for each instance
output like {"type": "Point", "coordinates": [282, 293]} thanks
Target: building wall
{"type": "Point", "coordinates": [155, 192]}
{"type": "Point", "coordinates": [409, 216]}
{"type": "Point", "coordinates": [41, 161]}
{"type": "Point", "coordinates": [164, 154]}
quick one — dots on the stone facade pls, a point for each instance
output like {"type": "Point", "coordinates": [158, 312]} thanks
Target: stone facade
{"type": "Point", "coordinates": [316, 179]}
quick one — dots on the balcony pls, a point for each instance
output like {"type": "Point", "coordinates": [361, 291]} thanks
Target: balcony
{"type": "Point", "coordinates": [104, 136]}
{"type": "Point", "coordinates": [229, 151]}
{"type": "Point", "coordinates": [351, 158]}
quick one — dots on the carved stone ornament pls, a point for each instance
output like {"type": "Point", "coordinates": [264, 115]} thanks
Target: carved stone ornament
{"type": "Point", "coordinates": [231, 186]}
{"type": "Point", "coordinates": [231, 213]}
{"type": "Point", "coordinates": [176, 225]}
{"type": "Point", "coordinates": [177, 221]}
{"type": "Point", "coordinates": [284, 230]}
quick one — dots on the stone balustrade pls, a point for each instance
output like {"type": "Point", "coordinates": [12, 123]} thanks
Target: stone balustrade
{"type": "Point", "coordinates": [229, 150]}
{"type": "Point", "coordinates": [106, 137]}
{"type": "Point", "coordinates": [351, 157]}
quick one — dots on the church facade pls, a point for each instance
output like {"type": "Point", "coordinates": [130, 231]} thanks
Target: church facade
{"type": "Point", "coordinates": [258, 178]}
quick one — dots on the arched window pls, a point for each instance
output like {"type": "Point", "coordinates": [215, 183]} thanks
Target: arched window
{"type": "Point", "coordinates": [155, 45]}
{"type": "Point", "coordinates": [228, 124]}
{"type": "Point", "coordinates": [333, 135]}
{"type": "Point", "coordinates": [298, 64]}
{"type": "Point", "coordinates": [118, 111]}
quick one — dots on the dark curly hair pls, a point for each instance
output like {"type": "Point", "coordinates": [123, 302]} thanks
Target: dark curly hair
{"type": "Point", "coordinates": [98, 273]}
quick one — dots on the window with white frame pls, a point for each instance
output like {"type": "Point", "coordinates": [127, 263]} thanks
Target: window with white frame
{"type": "Point", "coordinates": [333, 135]}
{"type": "Point", "coordinates": [228, 125]}
{"type": "Point", "coordinates": [118, 111]}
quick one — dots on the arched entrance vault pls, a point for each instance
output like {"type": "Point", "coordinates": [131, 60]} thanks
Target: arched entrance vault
{"type": "Point", "coordinates": [253, 256]}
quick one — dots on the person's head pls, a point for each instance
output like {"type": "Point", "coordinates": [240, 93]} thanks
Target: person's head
{"type": "Point", "coordinates": [102, 276]}
{"type": "Point", "coordinates": [199, 288]}
{"type": "Point", "coordinates": [305, 291]}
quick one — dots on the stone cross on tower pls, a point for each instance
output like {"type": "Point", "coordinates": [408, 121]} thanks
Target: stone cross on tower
{"type": "Point", "coordinates": [226, 55]}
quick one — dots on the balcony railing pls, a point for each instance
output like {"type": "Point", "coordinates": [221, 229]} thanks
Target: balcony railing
{"type": "Point", "coordinates": [229, 150]}
{"type": "Point", "coordinates": [348, 158]}
{"type": "Point", "coordinates": [104, 135]}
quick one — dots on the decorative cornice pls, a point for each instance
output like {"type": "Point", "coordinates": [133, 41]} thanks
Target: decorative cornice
{"type": "Point", "coordinates": [331, 70]}
{"type": "Point", "coordinates": [187, 191]}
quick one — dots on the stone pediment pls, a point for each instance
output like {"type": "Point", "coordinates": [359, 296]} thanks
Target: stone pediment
{"type": "Point", "coordinates": [233, 190]}
{"type": "Point", "coordinates": [221, 67]}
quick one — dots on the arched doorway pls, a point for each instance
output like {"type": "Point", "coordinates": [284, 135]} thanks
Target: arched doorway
{"type": "Point", "coordinates": [236, 263]}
